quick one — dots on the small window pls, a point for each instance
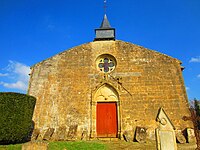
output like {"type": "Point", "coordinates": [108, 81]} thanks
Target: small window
{"type": "Point", "coordinates": [106, 63]}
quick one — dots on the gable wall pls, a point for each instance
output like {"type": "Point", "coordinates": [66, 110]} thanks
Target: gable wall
{"type": "Point", "coordinates": [145, 80]}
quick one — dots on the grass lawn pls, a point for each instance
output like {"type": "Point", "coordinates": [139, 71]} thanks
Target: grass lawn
{"type": "Point", "coordinates": [97, 145]}
{"type": "Point", "coordinates": [11, 147]}
{"type": "Point", "coordinates": [82, 145]}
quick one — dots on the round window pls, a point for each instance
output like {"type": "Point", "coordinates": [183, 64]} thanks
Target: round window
{"type": "Point", "coordinates": [106, 63]}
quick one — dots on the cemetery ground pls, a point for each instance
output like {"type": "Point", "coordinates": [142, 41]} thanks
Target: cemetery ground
{"type": "Point", "coordinates": [90, 145]}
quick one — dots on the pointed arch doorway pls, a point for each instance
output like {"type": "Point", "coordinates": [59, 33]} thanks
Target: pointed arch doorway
{"type": "Point", "coordinates": [107, 111]}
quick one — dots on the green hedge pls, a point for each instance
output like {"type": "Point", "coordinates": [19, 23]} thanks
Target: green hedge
{"type": "Point", "coordinates": [16, 111]}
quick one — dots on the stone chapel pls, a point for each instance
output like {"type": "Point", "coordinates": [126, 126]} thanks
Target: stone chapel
{"type": "Point", "coordinates": [106, 88]}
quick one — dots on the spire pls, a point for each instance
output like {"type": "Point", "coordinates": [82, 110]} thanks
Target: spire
{"type": "Point", "coordinates": [105, 23]}
{"type": "Point", "coordinates": [105, 32]}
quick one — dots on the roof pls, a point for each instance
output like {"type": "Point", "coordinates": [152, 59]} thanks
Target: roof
{"type": "Point", "coordinates": [105, 23]}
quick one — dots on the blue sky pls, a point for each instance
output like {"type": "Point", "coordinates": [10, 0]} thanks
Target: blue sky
{"type": "Point", "coordinates": [34, 30]}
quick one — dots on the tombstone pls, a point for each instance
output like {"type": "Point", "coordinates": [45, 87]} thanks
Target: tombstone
{"type": "Point", "coordinates": [48, 134]}
{"type": "Point", "coordinates": [35, 134]}
{"type": "Point", "coordinates": [151, 134]}
{"type": "Point", "coordinates": [180, 137]}
{"type": "Point", "coordinates": [126, 136]}
{"type": "Point", "coordinates": [190, 135]}
{"type": "Point", "coordinates": [59, 134]}
{"type": "Point", "coordinates": [165, 134]}
{"type": "Point", "coordinates": [40, 136]}
{"type": "Point", "coordinates": [72, 132]}
{"type": "Point", "coordinates": [140, 134]}
{"type": "Point", "coordinates": [84, 135]}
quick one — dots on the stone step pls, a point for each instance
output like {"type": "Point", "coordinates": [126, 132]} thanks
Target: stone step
{"type": "Point", "coordinates": [108, 139]}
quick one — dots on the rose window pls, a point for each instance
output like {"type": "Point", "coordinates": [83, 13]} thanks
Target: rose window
{"type": "Point", "coordinates": [106, 64]}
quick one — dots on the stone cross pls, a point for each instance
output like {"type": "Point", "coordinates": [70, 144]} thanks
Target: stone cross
{"type": "Point", "coordinates": [194, 118]}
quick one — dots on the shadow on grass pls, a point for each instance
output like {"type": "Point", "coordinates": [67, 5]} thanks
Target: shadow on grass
{"type": "Point", "coordinates": [83, 145]}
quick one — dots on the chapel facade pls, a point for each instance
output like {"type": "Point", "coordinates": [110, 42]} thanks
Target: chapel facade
{"type": "Point", "coordinates": [106, 88]}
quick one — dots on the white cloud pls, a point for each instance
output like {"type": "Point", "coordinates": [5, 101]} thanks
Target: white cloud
{"type": "Point", "coordinates": [197, 59]}
{"type": "Point", "coordinates": [3, 74]}
{"type": "Point", "coordinates": [20, 85]}
{"type": "Point", "coordinates": [19, 69]}
{"type": "Point", "coordinates": [17, 76]}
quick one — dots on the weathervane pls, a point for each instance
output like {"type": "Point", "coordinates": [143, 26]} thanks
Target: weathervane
{"type": "Point", "coordinates": [105, 6]}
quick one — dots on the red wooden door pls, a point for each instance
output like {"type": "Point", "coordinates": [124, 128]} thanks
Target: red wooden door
{"type": "Point", "coordinates": [106, 120]}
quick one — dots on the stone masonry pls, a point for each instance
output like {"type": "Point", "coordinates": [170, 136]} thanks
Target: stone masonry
{"type": "Point", "coordinates": [143, 80]}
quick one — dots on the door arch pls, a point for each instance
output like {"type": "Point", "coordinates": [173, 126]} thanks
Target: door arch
{"type": "Point", "coordinates": [105, 112]}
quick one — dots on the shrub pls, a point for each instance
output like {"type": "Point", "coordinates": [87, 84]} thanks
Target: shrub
{"type": "Point", "coordinates": [16, 111]}
{"type": "Point", "coordinates": [197, 107]}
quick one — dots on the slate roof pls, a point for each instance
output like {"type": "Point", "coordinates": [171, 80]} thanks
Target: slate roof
{"type": "Point", "coordinates": [105, 23]}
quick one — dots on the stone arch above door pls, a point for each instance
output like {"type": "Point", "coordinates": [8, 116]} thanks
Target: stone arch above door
{"type": "Point", "coordinates": [106, 93]}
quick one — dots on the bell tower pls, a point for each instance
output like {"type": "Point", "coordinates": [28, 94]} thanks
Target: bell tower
{"type": "Point", "coordinates": [105, 32]}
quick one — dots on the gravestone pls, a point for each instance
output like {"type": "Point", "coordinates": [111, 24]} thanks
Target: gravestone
{"type": "Point", "coordinates": [59, 134]}
{"type": "Point", "coordinates": [190, 135]}
{"type": "Point", "coordinates": [48, 134]}
{"type": "Point", "coordinates": [180, 137]}
{"type": "Point", "coordinates": [35, 134]}
{"type": "Point", "coordinates": [165, 134]}
{"type": "Point", "coordinates": [72, 132]}
{"type": "Point", "coordinates": [140, 134]}
{"type": "Point", "coordinates": [84, 135]}
{"type": "Point", "coordinates": [126, 136]}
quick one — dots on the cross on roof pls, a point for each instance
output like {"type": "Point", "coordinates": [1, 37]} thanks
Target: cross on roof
{"type": "Point", "coordinates": [105, 6]}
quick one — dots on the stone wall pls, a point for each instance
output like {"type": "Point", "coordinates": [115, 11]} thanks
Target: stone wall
{"type": "Point", "coordinates": [145, 80]}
